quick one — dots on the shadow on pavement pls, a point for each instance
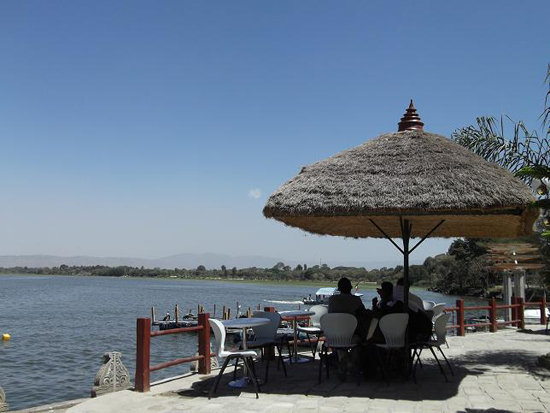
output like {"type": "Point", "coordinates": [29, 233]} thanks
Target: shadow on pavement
{"type": "Point", "coordinates": [479, 362]}
{"type": "Point", "coordinates": [303, 380]}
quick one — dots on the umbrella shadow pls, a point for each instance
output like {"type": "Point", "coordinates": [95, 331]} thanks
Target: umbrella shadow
{"type": "Point", "coordinates": [480, 362]}
{"type": "Point", "coordinates": [303, 380]}
{"type": "Point", "coordinates": [538, 332]}
{"type": "Point", "coordinates": [468, 410]}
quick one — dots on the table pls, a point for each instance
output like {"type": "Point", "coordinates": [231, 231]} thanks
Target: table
{"type": "Point", "coordinates": [244, 323]}
{"type": "Point", "coordinates": [295, 314]}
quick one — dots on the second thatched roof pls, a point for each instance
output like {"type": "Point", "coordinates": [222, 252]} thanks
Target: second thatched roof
{"type": "Point", "coordinates": [413, 174]}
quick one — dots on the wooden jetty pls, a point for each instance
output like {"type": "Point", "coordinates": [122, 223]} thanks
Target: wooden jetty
{"type": "Point", "coordinates": [167, 323]}
{"type": "Point", "coordinates": [191, 320]}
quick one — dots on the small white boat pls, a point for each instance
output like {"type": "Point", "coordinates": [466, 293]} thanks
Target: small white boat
{"type": "Point", "coordinates": [322, 296]}
{"type": "Point", "coordinates": [532, 315]}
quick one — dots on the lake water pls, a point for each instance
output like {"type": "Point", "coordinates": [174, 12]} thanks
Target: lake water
{"type": "Point", "coordinates": [61, 326]}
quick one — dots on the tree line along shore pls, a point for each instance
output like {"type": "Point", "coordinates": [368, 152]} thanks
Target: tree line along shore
{"type": "Point", "coordinates": [463, 270]}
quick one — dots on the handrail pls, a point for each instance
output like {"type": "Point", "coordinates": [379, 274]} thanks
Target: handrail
{"type": "Point", "coordinates": [175, 362]}
{"type": "Point", "coordinates": [175, 331]}
{"type": "Point", "coordinates": [144, 334]}
{"type": "Point", "coordinates": [300, 317]}
{"type": "Point", "coordinates": [517, 308]}
{"type": "Point", "coordinates": [143, 350]}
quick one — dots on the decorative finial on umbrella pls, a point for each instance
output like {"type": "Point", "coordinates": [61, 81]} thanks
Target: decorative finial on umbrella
{"type": "Point", "coordinates": [410, 120]}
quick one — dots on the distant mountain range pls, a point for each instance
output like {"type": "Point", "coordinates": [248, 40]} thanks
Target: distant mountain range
{"type": "Point", "coordinates": [184, 260]}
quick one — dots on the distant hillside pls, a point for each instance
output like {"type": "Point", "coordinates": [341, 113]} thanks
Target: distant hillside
{"type": "Point", "coordinates": [184, 260]}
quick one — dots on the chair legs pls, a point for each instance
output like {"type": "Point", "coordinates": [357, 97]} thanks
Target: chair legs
{"type": "Point", "coordinates": [217, 381]}
{"type": "Point", "coordinates": [438, 363]}
{"type": "Point", "coordinates": [418, 362]}
{"type": "Point", "coordinates": [267, 357]}
{"type": "Point", "coordinates": [280, 350]}
{"type": "Point", "coordinates": [248, 363]}
{"type": "Point", "coordinates": [323, 358]}
{"type": "Point", "coordinates": [266, 369]}
{"type": "Point", "coordinates": [320, 364]}
{"type": "Point", "coordinates": [311, 346]}
{"type": "Point", "coordinates": [447, 361]}
{"type": "Point", "coordinates": [252, 371]}
{"type": "Point", "coordinates": [382, 364]}
{"type": "Point", "coordinates": [417, 353]}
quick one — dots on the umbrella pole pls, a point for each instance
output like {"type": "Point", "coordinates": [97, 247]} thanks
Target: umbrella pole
{"type": "Point", "coordinates": [406, 230]}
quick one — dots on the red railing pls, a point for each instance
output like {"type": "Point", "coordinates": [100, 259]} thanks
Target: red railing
{"type": "Point", "coordinates": [144, 334]}
{"type": "Point", "coordinates": [143, 352]}
{"type": "Point", "coordinates": [517, 309]}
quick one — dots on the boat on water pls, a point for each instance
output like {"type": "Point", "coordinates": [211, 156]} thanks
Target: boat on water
{"type": "Point", "coordinates": [323, 295]}
{"type": "Point", "coordinates": [532, 315]}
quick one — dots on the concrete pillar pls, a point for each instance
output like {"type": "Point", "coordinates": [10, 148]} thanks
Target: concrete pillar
{"type": "Point", "coordinates": [519, 284]}
{"type": "Point", "coordinates": [507, 295]}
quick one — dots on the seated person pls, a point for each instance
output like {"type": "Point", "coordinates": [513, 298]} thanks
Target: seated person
{"type": "Point", "coordinates": [420, 321]}
{"type": "Point", "coordinates": [345, 302]}
{"type": "Point", "coordinates": [380, 307]}
{"type": "Point", "coordinates": [348, 303]}
{"type": "Point", "coordinates": [415, 302]}
{"type": "Point", "coordinates": [383, 306]}
{"type": "Point", "coordinates": [387, 303]}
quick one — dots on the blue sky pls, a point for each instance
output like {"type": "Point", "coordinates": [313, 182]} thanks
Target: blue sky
{"type": "Point", "coordinates": [136, 128]}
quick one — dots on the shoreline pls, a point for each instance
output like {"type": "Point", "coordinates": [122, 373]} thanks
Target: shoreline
{"type": "Point", "coordinates": [366, 285]}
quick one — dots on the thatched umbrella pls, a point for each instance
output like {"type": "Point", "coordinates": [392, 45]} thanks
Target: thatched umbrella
{"type": "Point", "coordinates": [404, 185]}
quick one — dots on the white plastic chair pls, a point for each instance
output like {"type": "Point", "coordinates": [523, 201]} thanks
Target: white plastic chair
{"type": "Point", "coordinates": [372, 328]}
{"type": "Point", "coordinates": [394, 329]}
{"type": "Point", "coordinates": [338, 329]}
{"type": "Point", "coordinates": [248, 356]}
{"type": "Point", "coordinates": [441, 338]}
{"type": "Point", "coordinates": [437, 310]}
{"type": "Point", "coordinates": [266, 337]}
{"type": "Point", "coordinates": [315, 328]}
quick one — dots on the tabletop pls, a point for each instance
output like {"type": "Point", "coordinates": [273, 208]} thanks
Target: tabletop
{"type": "Point", "coordinates": [296, 313]}
{"type": "Point", "coordinates": [246, 322]}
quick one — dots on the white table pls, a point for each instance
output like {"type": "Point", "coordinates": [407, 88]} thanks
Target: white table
{"type": "Point", "coordinates": [245, 324]}
{"type": "Point", "coordinates": [295, 314]}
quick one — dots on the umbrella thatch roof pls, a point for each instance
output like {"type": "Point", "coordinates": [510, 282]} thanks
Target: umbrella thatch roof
{"type": "Point", "coordinates": [418, 175]}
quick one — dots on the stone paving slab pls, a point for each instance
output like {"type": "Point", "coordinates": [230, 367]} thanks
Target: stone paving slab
{"type": "Point", "coordinates": [493, 372]}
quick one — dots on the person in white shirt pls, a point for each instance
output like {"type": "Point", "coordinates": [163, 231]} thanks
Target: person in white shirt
{"type": "Point", "coordinates": [415, 302]}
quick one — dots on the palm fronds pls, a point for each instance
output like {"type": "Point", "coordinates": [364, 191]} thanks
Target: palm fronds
{"type": "Point", "coordinates": [524, 149]}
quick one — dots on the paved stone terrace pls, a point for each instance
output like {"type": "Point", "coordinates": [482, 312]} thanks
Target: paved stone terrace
{"type": "Point", "coordinates": [494, 372]}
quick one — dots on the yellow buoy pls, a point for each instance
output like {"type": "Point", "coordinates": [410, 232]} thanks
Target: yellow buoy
{"type": "Point", "coordinates": [6, 337]}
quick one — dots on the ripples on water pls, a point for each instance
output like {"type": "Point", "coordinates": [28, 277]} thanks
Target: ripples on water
{"type": "Point", "coordinates": [61, 326]}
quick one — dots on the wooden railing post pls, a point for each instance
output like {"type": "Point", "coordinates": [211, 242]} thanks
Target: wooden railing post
{"type": "Point", "coordinates": [461, 330]}
{"type": "Point", "coordinates": [493, 315]}
{"type": "Point", "coordinates": [204, 343]}
{"type": "Point", "coordinates": [543, 309]}
{"type": "Point", "coordinates": [514, 313]}
{"type": "Point", "coordinates": [143, 353]}
{"type": "Point", "coordinates": [521, 312]}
